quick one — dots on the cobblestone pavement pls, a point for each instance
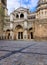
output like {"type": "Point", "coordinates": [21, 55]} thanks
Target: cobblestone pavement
{"type": "Point", "coordinates": [23, 53]}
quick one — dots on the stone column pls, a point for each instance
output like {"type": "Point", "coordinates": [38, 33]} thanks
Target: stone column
{"type": "Point", "coordinates": [11, 35]}
{"type": "Point", "coordinates": [25, 35]}
{"type": "Point", "coordinates": [19, 15]}
{"type": "Point", "coordinates": [11, 32]}
{"type": "Point", "coordinates": [17, 35]}
{"type": "Point", "coordinates": [11, 17]}
{"type": "Point", "coordinates": [3, 35]}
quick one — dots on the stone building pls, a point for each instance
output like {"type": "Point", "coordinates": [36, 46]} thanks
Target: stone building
{"type": "Point", "coordinates": [25, 25]}
{"type": "Point", "coordinates": [3, 13]}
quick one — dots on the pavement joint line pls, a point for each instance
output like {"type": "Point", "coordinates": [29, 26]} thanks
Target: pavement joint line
{"type": "Point", "coordinates": [6, 50]}
{"type": "Point", "coordinates": [26, 47]}
{"type": "Point", "coordinates": [14, 52]}
{"type": "Point", "coordinates": [20, 51]}
{"type": "Point", "coordinates": [34, 53]}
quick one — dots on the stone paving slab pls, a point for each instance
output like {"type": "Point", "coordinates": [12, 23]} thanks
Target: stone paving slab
{"type": "Point", "coordinates": [25, 59]}
{"type": "Point", "coordinates": [38, 48]}
{"type": "Point", "coordinates": [13, 45]}
{"type": "Point", "coordinates": [29, 53]}
{"type": "Point", "coordinates": [2, 53]}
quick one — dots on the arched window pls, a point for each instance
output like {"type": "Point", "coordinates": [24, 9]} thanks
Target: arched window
{"type": "Point", "coordinates": [7, 30]}
{"type": "Point", "coordinates": [22, 15]}
{"type": "Point", "coordinates": [17, 16]}
{"type": "Point", "coordinates": [18, 27]}
{"type": "Point", "coordinates": [31, 29]}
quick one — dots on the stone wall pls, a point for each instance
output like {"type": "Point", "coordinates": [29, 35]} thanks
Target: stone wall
{"type": "Point", "coordinates": [41, 29]}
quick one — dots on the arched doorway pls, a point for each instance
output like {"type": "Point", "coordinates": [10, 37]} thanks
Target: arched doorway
{"type": "Point", "coordinates": [31, 33]}
{"type": "Point", "coordinates": [7, 34]}
{"type": "Point", "coordinates": [19, 32]}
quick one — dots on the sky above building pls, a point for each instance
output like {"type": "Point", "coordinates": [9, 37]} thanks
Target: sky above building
{"type": "Point", "coordinates": [14, 4]}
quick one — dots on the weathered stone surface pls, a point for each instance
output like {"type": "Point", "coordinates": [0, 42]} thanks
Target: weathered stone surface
{"type": "Point", "coordinates": [24, 53]}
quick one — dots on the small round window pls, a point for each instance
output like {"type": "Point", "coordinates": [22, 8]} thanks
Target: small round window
{"type": "Point", "coordinates": [22, 15]}
{"type": "Point", "coordinates": [17, 16]}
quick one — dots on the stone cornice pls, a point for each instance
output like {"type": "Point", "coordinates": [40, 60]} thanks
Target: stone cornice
{"type": "Point", "coordinates": [41, 9]}
{"type": "Point", "coordinates": [41, 4]}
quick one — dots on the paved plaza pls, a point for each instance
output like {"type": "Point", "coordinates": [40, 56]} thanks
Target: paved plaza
{"type": "Point", "coordinates": [23, 53]}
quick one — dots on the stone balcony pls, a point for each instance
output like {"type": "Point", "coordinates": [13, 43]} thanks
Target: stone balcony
{"type": "Point", "coordinates": [21, 20]}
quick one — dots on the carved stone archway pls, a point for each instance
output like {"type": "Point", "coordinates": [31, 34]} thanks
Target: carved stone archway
{"type": "Point", "coordinates": [30, 33]}
{"type": "Point", "coordinates": [7, 34]}
{"type": "Point", "coordinates": [18, 33]}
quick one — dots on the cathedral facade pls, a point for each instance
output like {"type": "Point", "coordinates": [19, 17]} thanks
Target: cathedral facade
{"type": "Point", "coordinates": [22, 24]}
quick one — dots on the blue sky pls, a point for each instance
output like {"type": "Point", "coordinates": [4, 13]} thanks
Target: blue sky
{"type": "Point", "coordinates": [14, 4]}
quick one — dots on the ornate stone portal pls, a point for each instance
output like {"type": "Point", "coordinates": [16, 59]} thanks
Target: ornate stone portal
{"type": "Point", "coordinates": [26, 25]}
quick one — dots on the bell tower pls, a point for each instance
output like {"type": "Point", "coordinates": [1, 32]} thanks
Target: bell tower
{"type": "Point", "coordinates": [3, 4]}
{"type": "Point", "coordinates": [3, 13]}
{"type": "Point", "coordinates": [42, 9]}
